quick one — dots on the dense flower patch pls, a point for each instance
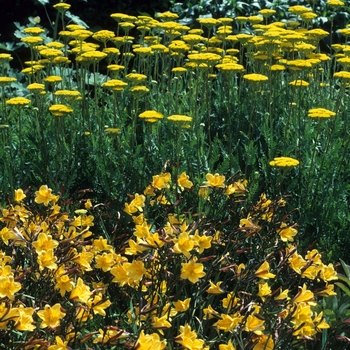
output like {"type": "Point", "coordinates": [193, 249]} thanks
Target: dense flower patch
{"type": "Point", "coordinates": [182, 278]}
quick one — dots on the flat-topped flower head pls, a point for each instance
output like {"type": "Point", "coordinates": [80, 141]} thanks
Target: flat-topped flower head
{"type": "Point", "coordinates": [230, 67]}
{"type": "Point", "coordinates": [69, 94]}
{"type": "Point", "coordinates": [267, 12]}
{"type": "Point", "coordinates": [53, 79]}
{"type": "Point", "coordinates": [32, 40]}
{"type": "Point", "coordinates": [284, 162]}
{"type": "Point", "coordinates": [178, 118]}
{"type": "Point", "coordinates": [179, 70]}
{"type": "Point", "coordinates": [208, 22]}
{"type": "Point", "coordinates": [94, 56]}
{"type": "Point", "coordinates": [18, 101]}
{"type": "Point", "coordinates": [5, 58]}
{"type": "Point", "coordinates": [51, 53]}
{"type": "Point", "coordinates": [335, 3]}
{"type": "Point", "coordinates": [299, 83]}
{"type": "Point", "coordinates": [7, 80]}
{"type": "Point", "coordinates": [139, 90]}
{"type": "Point", "coordinates": [60, 110]}
{"type": "Point", "coordinates": [113, 131]}
{"type": "Point", "coordinates": [256, 78]}
{"type": "Point", "coordinates": [33, 30]}
{"type": "Point", "coordinates": [103, 35]}
{"type": "Point", "coordinates": [167, 16]}
{"type": "Point", "coordinates": [115, 83]}
{"type": "Point", "coordinates": [36, 87]}
{"type": "Point", "coordinates": [136, 77]}
{"type": "Point", "coordinates": [320, 113]}
{"type": "Point", "coordinates": [342, 75]}
{"type": "Point", "coordinates": [62, 7]}
{"type": "Point", "coordinates": [298, 10]}
{"type": "Point", "coordinates": [151, 114]}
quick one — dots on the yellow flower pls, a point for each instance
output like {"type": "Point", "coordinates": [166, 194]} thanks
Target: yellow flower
{"type": "Point", "coordinates": [59, 110]}
{"type": "Point", "coordinates": [267, 12]}
{"type": "Point", "coordinates": [62, 6]}
{"type": "Point", "coordinates": [254, 324]}
{"type": "Point", "coordinates": [230, 67]}
{"type": "Point", "coordinates": [47, 259]}
{"type": "Point", "coordinates": [32, 40]}
{"type": "Point", "coordinates": [184, 244]}
{"type": "Point", "coordinates": [135, 270]}
{"type": "Point", "coordinates": [342, 75]}
{"type": "Point", "coordinates": [328, 273]}
{"type": "Point", "coordinates": [44, 242]}
{"type": "Point", "coordinates": [228, 323]}
{"type": "Point", "coordinates": [7, 80]}
{"type": "Point", "coordinates": [264, 290]}
{"type": "Point", "coordinates": [51, 53]}
{"type": "Point", "coordinates": [136, 77]}
{"type": "Point", "coordinates": [283, 295]}
{"type": "Point", "coordinates": [160, 322]}
{"type": "Point", "coordinates": [215, 288]}
{"type": "Point", "coordinates": [215, 180]}
{"type": "Point", "coordinates": [81, 292]}
{"type": "Point", "coordinates": [93, 56]}
{"type": "Point", "coordinates": [24, 320]}
{"type": "Point", "coordinates": [74, 94]}
{"type": "Point", "coordinates": [284, 162]}
{"type": "Point", "coordinates": [320, 113]}
{"type": "Point", "coordinates": [202, 242]}
{"type": "Point", "coordinates": [150, 342]}
{"type": "Point", "coordinates": [299, 83]}
{"type": "Point", "coordinates": [60, 344]}
{"type": "Point", "coordinates": [151, 114]}
{"type": "Point", "coordinates": [192, 270]}
{"type": "Point", "coordinates": [263, 342]}
{"type": "Point", "coordinates": [18, 101]}
{"type": "Point", "coordinates": [19, 195]}
{"type": "Point", "coordinates": [161, 181]}
{"type": "Point", "coordinates": [335, 3]}
{"type": "Point", "coordinates": [228, 346]}
{"type": "Point", "coordinates": [179, 118]}
{"type": "Point", "coordinates": [255, 77]}
{"type": "Point", "coordinates": [183, 181]}
{"type": "Point", "coordinates": [182, 305]}
{"type": "Point", "coordinates": [297, 9]}
{"type": "Point", "coordinates": [51, 316]}
{"type": "Point", "coordinates": [104, 261]}
{"type": "Point", "coordinates": [305, 296]}
{"type": "Point", "coordinates": [98, 304]}
{"type": "Point", "coordinates": [287, 232]}
{"type": "Point", "coordinates": [44, 195]}
{"type": "Point", "coordinates": [263, 271]}
{"type": "Point", "coordinates": [103, 35]}
{"type": "Point", "coordinates": [64, 284]}
{"type": "Point", "coordinates": [8, 287]}
{"type": "Point", "coordinates": [188, 338]}
{"type": "Point", "coordinates": [53, 79]}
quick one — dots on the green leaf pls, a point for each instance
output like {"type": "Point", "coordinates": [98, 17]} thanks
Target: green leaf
{"type": "Point", "coordinates": [345, 267]}
{"type": "Point", "coordinates": [343, 288]}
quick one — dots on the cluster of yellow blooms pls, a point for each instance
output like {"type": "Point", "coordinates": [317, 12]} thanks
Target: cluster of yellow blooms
{"type": "Point", "coordinates": [165, 38]}
{"type": "Point", "coordinates": [158, 265]}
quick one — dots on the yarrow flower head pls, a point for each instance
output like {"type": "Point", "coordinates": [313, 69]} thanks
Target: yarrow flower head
{"type": "Point", "coordinates": [256, 78]}
{"type": "Point", "coordinates": [59, 110]}
{"type": "Point", "coordinates": [18, 101]}
{"type": "Point", "coordinates": [320, 113]}
{"type": "Point", "coordinates": [284, 162]}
